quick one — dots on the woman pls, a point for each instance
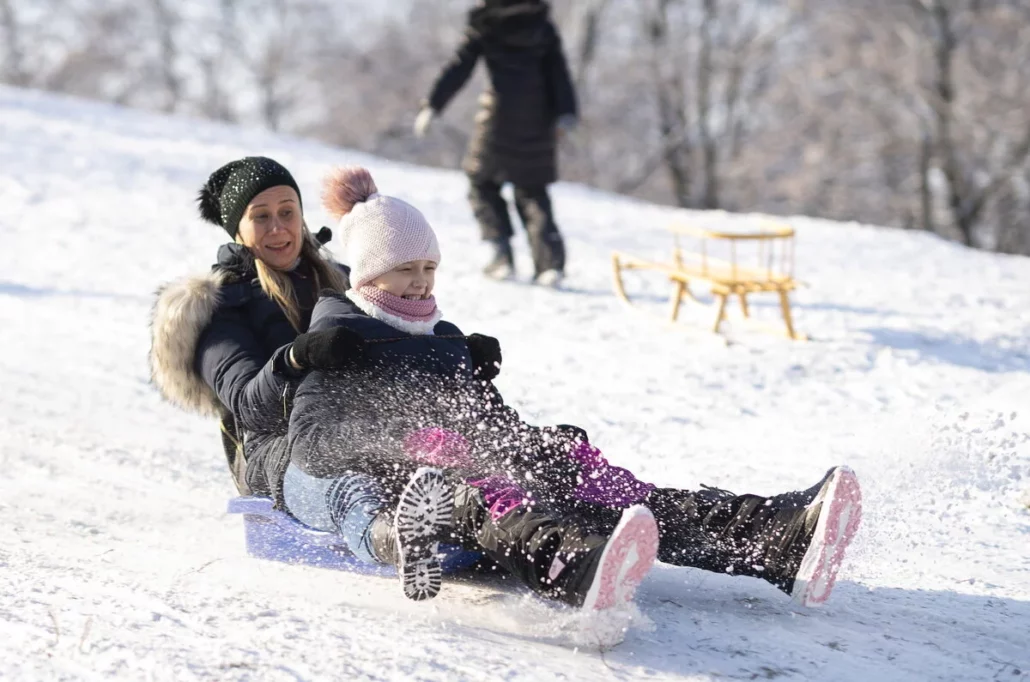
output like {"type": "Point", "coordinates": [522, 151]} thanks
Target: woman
{"type": "Point", "coordinates": [222, 343]}
{"type": "Point", "coordinates": [219, 341]}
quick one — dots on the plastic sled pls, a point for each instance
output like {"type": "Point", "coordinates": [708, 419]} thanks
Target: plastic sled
{"type": "Point", "coordinates": [276, 536]}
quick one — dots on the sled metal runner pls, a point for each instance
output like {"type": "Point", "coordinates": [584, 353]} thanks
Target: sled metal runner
{"type": "Point", "coordinates": [753, 261]}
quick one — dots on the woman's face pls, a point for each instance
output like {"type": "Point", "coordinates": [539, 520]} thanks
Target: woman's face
{"type": "Point", "coordinates": [412, 280]}
{"type": "Point", "coordinates": [272, 227]}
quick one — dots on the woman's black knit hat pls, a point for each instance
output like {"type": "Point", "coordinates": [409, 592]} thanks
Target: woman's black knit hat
{"type": "Point", "coordinates": [224, 197]}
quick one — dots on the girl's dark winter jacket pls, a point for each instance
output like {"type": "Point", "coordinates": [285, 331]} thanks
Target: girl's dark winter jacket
{"type": "Point", "coordinates": [530, 89]}
{"type": "Point", "coordinates": [357, 418]}
{"type": "Point", "coordinates": [218, 348]}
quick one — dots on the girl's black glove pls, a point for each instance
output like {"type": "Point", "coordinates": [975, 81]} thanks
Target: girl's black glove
{"type": "Point", "coordinates": [327, 349]}
{"type": "Point", "coordinates": [486, 356]}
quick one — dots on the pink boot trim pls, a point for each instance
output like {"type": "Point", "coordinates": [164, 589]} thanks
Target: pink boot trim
{"type": "Point", "coordinates": [626, 560]}
{"type": "Point", "coordinates": [839, 521]}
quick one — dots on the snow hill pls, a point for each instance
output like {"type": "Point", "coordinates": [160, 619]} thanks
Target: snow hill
{"type": "Point", "coordinates": [117, 559]}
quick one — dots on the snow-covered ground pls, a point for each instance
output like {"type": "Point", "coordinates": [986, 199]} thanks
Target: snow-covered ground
{"type": "Point", "coordinates": [118, 561]}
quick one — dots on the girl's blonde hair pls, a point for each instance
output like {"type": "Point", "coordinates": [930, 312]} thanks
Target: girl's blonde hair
{"type": "Point", "coordinates": [277, 286]}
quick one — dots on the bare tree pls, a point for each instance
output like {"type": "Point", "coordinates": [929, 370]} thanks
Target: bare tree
{"type": "Point", "coordinates": [104, 47]}
{"type": "Point", "coordinates": [15, 71]}
{"type": "Point", "coordinates": [909, 113]}
{"type": "Point", "coordinates": [166, 25]}
{"type": "Point", "coordinates": [372, 89]}
{"type": "Point", "coordinates": [670, 97]}
{"type": "Point", "coordinates": [965, 133]}
{"type": "Point", "coordinates": [279, 46]}
{"type": "Point", "coordinates": [582, 25]}
{"type": "Point", "coordinates": [705, 69]}
{"type": "Point", "coordinates": [217, 32]}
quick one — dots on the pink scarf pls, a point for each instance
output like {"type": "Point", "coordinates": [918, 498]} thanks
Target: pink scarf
{"type": "Point", "coordinates": [422, 310]}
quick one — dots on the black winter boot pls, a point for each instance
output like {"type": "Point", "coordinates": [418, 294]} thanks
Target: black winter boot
{"type": "Point", "coordinates": [795, 540]}
{"type": "Point", "coordinates": [564, 558]}
{"type": "Point", "coordinates": [622, 564]}
{"type": "Point", "coordinates": [805, 547]}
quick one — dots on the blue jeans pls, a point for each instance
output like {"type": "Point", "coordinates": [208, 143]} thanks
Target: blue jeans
{"type": "Point", "coordinates": [346, 505]}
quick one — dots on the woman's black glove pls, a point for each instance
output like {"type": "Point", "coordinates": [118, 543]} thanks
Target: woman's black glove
{"type": "Point", "coordinates": [486, 356]}
{"type": "Point", "coordinates": [327, 349]}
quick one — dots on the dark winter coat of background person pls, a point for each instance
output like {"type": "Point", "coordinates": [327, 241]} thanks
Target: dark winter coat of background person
{"type": "Point", "coordinates": [530, 89]}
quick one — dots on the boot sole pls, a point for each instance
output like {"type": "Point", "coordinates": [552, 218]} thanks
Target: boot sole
{"type": "Point", "coordinates": [424, 517]}
{"type": "Point", "coordinates": [838, 522]}
{"type": "Point", "coordinates": [626, 560]}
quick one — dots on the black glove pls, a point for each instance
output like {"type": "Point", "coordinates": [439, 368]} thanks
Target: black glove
{"type": "Point", "coordinates": [486, 356]}
{"type": "Point", "coordinates": [328, 349]}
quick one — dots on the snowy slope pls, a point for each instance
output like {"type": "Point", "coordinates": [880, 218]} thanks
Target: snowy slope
{"type": "Point", "coordinates": [117, 560]}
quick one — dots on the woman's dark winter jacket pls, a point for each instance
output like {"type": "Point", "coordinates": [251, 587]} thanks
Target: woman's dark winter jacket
{"type": "Point", "coordinates": [219, 348]}
{"type": "Point", "coordinates": [530, 89]}
{"type": "Point", "coordinates": [357, 418]}
{"type": "Point", "coordinates": [242, 352]}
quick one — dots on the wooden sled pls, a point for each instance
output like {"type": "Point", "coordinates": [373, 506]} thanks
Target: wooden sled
{"type": "Point", "coordinates": [754, 261]}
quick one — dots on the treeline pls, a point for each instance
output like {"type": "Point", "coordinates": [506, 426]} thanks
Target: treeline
{"type": "Point", "coordinates": [911, 113]}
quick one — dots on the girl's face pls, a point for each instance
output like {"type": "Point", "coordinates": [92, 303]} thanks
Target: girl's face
{"type": "Point", "coordinates": [412, 280]}
{"type": "Point", "coordinates": [272, 227]}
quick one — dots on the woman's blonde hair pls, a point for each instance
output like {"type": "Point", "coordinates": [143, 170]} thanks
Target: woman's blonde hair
{"type": "Point", "coordinates": [277, 286]}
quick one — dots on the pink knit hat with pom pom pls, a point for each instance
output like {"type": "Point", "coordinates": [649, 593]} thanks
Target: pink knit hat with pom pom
{"type": "Point", "coordinates": [379, 232]}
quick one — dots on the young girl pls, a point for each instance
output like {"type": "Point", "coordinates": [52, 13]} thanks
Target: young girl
{"type": "Point", "coordinates": [406, 391]}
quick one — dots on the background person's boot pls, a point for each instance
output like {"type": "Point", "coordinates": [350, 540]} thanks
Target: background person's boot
{"type": "Point", "coordinates": [502, 261]}
{"type": "Point", "coordinates": [550, 278]}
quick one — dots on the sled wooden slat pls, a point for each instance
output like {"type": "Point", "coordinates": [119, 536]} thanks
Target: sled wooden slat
{"type": "Point", "coordinates": [772, 271]}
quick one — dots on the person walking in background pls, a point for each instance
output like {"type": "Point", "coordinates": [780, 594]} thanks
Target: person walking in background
{"type": "Point", "coordinates": [530, 102]}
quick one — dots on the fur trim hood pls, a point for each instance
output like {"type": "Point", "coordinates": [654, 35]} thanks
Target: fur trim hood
{"type": "Point", "coordinates": [181, 313]}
